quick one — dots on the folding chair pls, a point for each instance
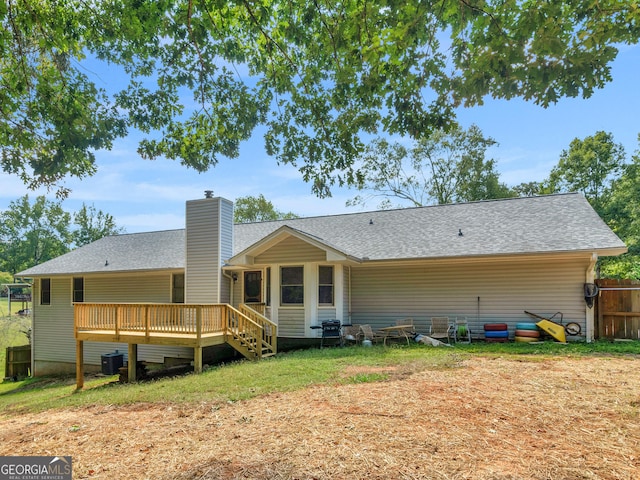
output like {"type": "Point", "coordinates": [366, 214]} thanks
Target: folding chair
{"type": "Point", "coordinates": [351, 334]}
{"type": "Point", "coordinates": [369, 334]}
{"type": "Point", "coordinates": [440, 329]}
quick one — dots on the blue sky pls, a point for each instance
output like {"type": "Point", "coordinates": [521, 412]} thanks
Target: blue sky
{"type": "Point", "coordinates": [147, 195]}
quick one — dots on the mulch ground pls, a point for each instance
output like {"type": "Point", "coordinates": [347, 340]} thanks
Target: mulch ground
{"type": "Point", "coordinates": [488, 418]}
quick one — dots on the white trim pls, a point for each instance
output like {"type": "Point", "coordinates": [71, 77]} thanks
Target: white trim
{"type": "Point", "coordinates": [589, 312]}
{"type": "Point", "coordinates": [338, 291]}
{"type": "Point", "coordinates": [310, 296]}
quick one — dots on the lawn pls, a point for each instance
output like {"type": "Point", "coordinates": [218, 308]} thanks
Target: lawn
{"type": "Point", "coordinates": [12, 328]}
{"type": "Point", "coordinates": [481, 411]}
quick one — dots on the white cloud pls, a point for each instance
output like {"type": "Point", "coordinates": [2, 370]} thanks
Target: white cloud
{"type": "Point", "coordinates": [150, 222]}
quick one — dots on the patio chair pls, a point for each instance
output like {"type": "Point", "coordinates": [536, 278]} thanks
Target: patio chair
{"type": "Point", "coordinates": [405, 321]}
{"type": "Point", "coordinates": [351, 334]}
{"type": "Point", "coordinates": [369, 334]}
{"type": "Point", "coordinates": [461, 331]}
{"type": "Point", "coordinates": [440, 329]}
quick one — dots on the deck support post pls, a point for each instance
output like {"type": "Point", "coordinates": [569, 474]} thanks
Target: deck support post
{"type": "Point", "coordinates": [197, 359]}
{"type": "Point", "coordinates": [79, 364]}
{"type": "Point", "coordinates": [133, 362]}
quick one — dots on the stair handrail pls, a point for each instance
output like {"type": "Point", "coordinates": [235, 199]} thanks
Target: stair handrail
{"type": "Point", "coordinates": [269, 329]}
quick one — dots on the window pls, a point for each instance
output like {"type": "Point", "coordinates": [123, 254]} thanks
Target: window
{"type": "Point", "coordinates": [252, 287]}
{"type": "Point", "coordinates": [325, 285]}
{"type": "Point", "coordinates": [177, 288]}
{"type": "Point", "coordinates": [291, 285]}
{"type": "Point", "coordinates": [78, 289]}
{"type": "Point", "coordinates": [45, 291]}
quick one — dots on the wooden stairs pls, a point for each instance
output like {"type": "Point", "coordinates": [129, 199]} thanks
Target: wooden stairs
{"type": "Point", "coordinates": [251, 333]}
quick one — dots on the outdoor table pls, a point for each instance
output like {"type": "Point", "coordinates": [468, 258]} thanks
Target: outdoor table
{"type": "Point", "coordinates": [405, 331]}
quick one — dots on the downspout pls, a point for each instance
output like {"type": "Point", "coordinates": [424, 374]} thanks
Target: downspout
{"type": "Point", "coordinates": [589, 312]}
{"type": "Point", "coordinates": [349, 295]}
{"type": "Point", "coordinates": [230, 277]}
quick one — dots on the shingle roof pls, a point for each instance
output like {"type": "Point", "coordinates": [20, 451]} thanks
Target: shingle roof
{"type": "Point", "coordinates": [554, 223]}
{"type": "Point", "coordinates": [126, 252]}
{"type": "Point", "coordinates": [531, 225]}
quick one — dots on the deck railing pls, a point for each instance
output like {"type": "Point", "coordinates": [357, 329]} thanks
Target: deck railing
{"type": "Point", "coordinates": [261, 308]}
{"type": "Point", "coordinates": [245, 329]}
{"type": "Point", "coordinates": [151, 318]}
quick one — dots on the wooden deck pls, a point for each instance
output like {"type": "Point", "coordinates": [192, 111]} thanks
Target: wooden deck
{"type": "Point", "coordinates": [187, 325]}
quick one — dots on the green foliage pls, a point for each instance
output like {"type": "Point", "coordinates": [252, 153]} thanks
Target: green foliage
{"type": "Point", "coordinates": [597, 167]}
{"type": "Point", "coordinates": [622, 213]}
{"type": "Point", "coordinates": [527, 189]}
{"type": "Point", "coordinates": [92, 224]}
{"type": "Point", "coordinates": [318, 76]}
{"type": "Point", "coordinates": [589, 166]}
{"type": "Point", "coordinates": [444, 167]}
{"type": "Point", "coordinates": [5, 277]}
{"type": "Point", "coordinates": [257, 209]}
{"type": "Point", "coordinates": [53, 117]}
{"type": "Point", "coordinates": [32, 233]}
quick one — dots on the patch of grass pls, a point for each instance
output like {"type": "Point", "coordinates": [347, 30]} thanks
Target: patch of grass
{"type": "Point", "coordinates": [287, 371]}
{"type": "Point", "coordinates": [551, 348]}
{"type": "Point", "coordinates": [12, 328]}
{"type": "Point", "coordinates": [368, 377]}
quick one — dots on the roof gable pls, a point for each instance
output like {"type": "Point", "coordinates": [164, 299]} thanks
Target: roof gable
{"type": "Point", "coordinates": [284, 241]}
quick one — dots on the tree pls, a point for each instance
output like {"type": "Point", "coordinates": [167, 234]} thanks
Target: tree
{"type": "Point", "coordinates": [92, 224]}
{"type": "Point", "coordinates": [444, 167]}
{"type": "Point", "coordinates": [318, 75]}
{"type": "Point", "coordinates": [257, 209]}
{"type": "Point", "coordinates": [597, 167]}
{"type": "Point", "coordinates": [528, 189]}
{"type": "Point", "coordinates": [622, 212]}
{"type": "Point", "coordinates": [589, 166]}
{"type": "Point", "coordinates": [5, 277]}
{"type": "Point", "coordinates": [32, 233]}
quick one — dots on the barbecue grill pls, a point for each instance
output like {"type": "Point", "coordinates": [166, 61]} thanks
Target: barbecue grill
{"type": "Point", "coordinates": [331, 329]}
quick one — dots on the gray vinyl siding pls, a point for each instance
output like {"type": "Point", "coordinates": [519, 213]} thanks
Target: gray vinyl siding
{"type": "Point", "coordinates": [53, 324]}
{"type": "Point", "coordinates": [207, 240]}
{"type": "Point", "coordinates": [325, 314]}
{"type": "Point", "coordinates": [291, 323]}
{"type": "Point", "coordinates": [53, 338]}
{"type": "Point", "coordinates": [150, 288]}
{"type": "Point", "coordinates": [226, 247]}
{"type": "Point", "coordinates": [484, 293]}
{"type": "Point", "coordinates": [290, 250]}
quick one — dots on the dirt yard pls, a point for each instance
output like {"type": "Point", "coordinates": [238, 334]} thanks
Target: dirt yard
{"type": "Point", "coordinates": [575, 418]}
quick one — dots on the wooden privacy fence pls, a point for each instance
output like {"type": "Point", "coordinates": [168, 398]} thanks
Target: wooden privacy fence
{"type": "Point", "coordinates": [18, 362]}
{"type": "Point", "coordinates": [618, 309]}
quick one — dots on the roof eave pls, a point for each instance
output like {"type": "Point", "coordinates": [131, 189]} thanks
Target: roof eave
{"type": "Point", "coordinates": [97, 272]}
{"type": "Point", "coordinates": [510, 256]}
